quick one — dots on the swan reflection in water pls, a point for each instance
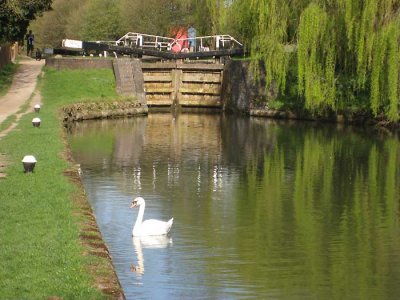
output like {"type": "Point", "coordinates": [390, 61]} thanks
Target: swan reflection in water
{"type": "Point", "coordinates": [147, 242]}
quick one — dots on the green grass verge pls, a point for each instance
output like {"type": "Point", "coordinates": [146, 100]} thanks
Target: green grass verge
{"type": "Point", "coordinates": [6, 77]}
{"type": "Point", "coordinates": [40, 251]}
{"type": "Point", "coordinates": [7, 122]}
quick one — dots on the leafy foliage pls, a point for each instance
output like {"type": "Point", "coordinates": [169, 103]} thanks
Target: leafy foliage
{"type": "Point", "coordinates": [105, 28]}
{"type": "Point", "coordinates": [315, 54]}
{"type": "Point", "coordinates": [15, 16]}
{"type": "Point", "coordinates": [346, 49]}
{"type": "Point", "coordinates": [109, 20]}
{"type": "Point", "coordinates": [269, 38]}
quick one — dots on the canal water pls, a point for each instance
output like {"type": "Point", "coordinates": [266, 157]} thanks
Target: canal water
{"type": "Point", "coordinates": [262, 209]}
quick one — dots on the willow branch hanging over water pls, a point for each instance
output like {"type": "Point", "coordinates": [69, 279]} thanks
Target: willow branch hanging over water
{"type": "Point", "coordinates": [347, 50]}
{"type": "Point", "coordinates": [269, 39]}
{"type": "Point", "coordinates": [373, 37]}
{"type": "Point", "coordinates": [315, 55]}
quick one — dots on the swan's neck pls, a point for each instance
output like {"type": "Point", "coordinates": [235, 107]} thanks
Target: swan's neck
{"type": "Point", "coordinates": [139, 218]}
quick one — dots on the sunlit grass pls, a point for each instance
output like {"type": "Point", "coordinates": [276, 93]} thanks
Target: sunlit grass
{"type": "Point", "coordinates": [40, 252]}
{"type": "Point", "coordinates": [79, 86]}
{"type": "Point", "coordinates": [7, 122]}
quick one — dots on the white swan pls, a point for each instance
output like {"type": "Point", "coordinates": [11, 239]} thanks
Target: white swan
{"type": "Point", "coordinates": [148, 227]}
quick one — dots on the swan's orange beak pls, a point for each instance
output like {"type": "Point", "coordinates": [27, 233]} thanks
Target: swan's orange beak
{"type": "Point", "coordinates": [133, 204]}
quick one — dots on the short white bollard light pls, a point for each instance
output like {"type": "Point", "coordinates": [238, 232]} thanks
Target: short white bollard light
{"type": "Point", "coordinates": [29, 162]}
{"type": "Point", "coordinates": [36, 122]}
{"type": "Point", "coordinates": [37, 107]}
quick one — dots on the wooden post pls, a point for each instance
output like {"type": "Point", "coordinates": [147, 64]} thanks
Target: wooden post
{"type": "Point", "coordinates": [176, 83]}
{"type": "Point", "coordinates": [173, 83]}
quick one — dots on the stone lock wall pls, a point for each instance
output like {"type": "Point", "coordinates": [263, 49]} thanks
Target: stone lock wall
{"type": "Point", "coordinates": [241, 92]}
{"type": "Point", "coordinates": [60, 63]}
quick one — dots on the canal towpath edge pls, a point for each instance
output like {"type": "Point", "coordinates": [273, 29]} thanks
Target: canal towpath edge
{"type": "Point", "coordinates": [22, 90]}
{"type": "Point", "coordinates": [19, 100]}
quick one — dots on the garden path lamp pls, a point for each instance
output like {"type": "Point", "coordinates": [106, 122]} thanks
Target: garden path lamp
{"type": "Point", "coordinates": [29, 162]}
{"type": "Point", "coordinates": [37, 108]}
{"type": "Point", "coordinates": [36, 122]}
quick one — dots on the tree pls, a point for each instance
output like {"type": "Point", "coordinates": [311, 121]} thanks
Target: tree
{"type": "Point", "coordinates": [101, 21]}
{"type": "Point", "coordinates": [154, 16]}
{"type": "Point", "coordinates": [63, 21]}
{"type": "Point", "coordinates": [15, 16]}
{"type": "Point", "coordinates": [344, 49]}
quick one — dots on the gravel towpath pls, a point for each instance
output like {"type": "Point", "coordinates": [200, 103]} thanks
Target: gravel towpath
{"type": "Point", "coordinates": [22, 89]}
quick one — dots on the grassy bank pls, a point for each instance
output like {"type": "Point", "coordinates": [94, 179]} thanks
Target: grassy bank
{"type": "Point", "coordinates": [43, 219]}
{"type": "Point", "coordinates": [6, 75]}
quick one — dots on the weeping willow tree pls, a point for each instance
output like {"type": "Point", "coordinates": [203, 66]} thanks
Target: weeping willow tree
{"type": "Point", "coordinates": [385, 71]}
{"type": "Point", "coordinates": [239, 21]}
{"type": "Point", "coordinates": [269, 39]}
{"type": "Point", "coordinates": [214, 10]}
{"type": "Point", "coordinates": [359, 17]}
{"type": "Point", "coordinates": [315, 54]}
{"type": "Point", "coordinates": [373, 37]}
{"type": "Point", "coordinates": [345, 48]}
